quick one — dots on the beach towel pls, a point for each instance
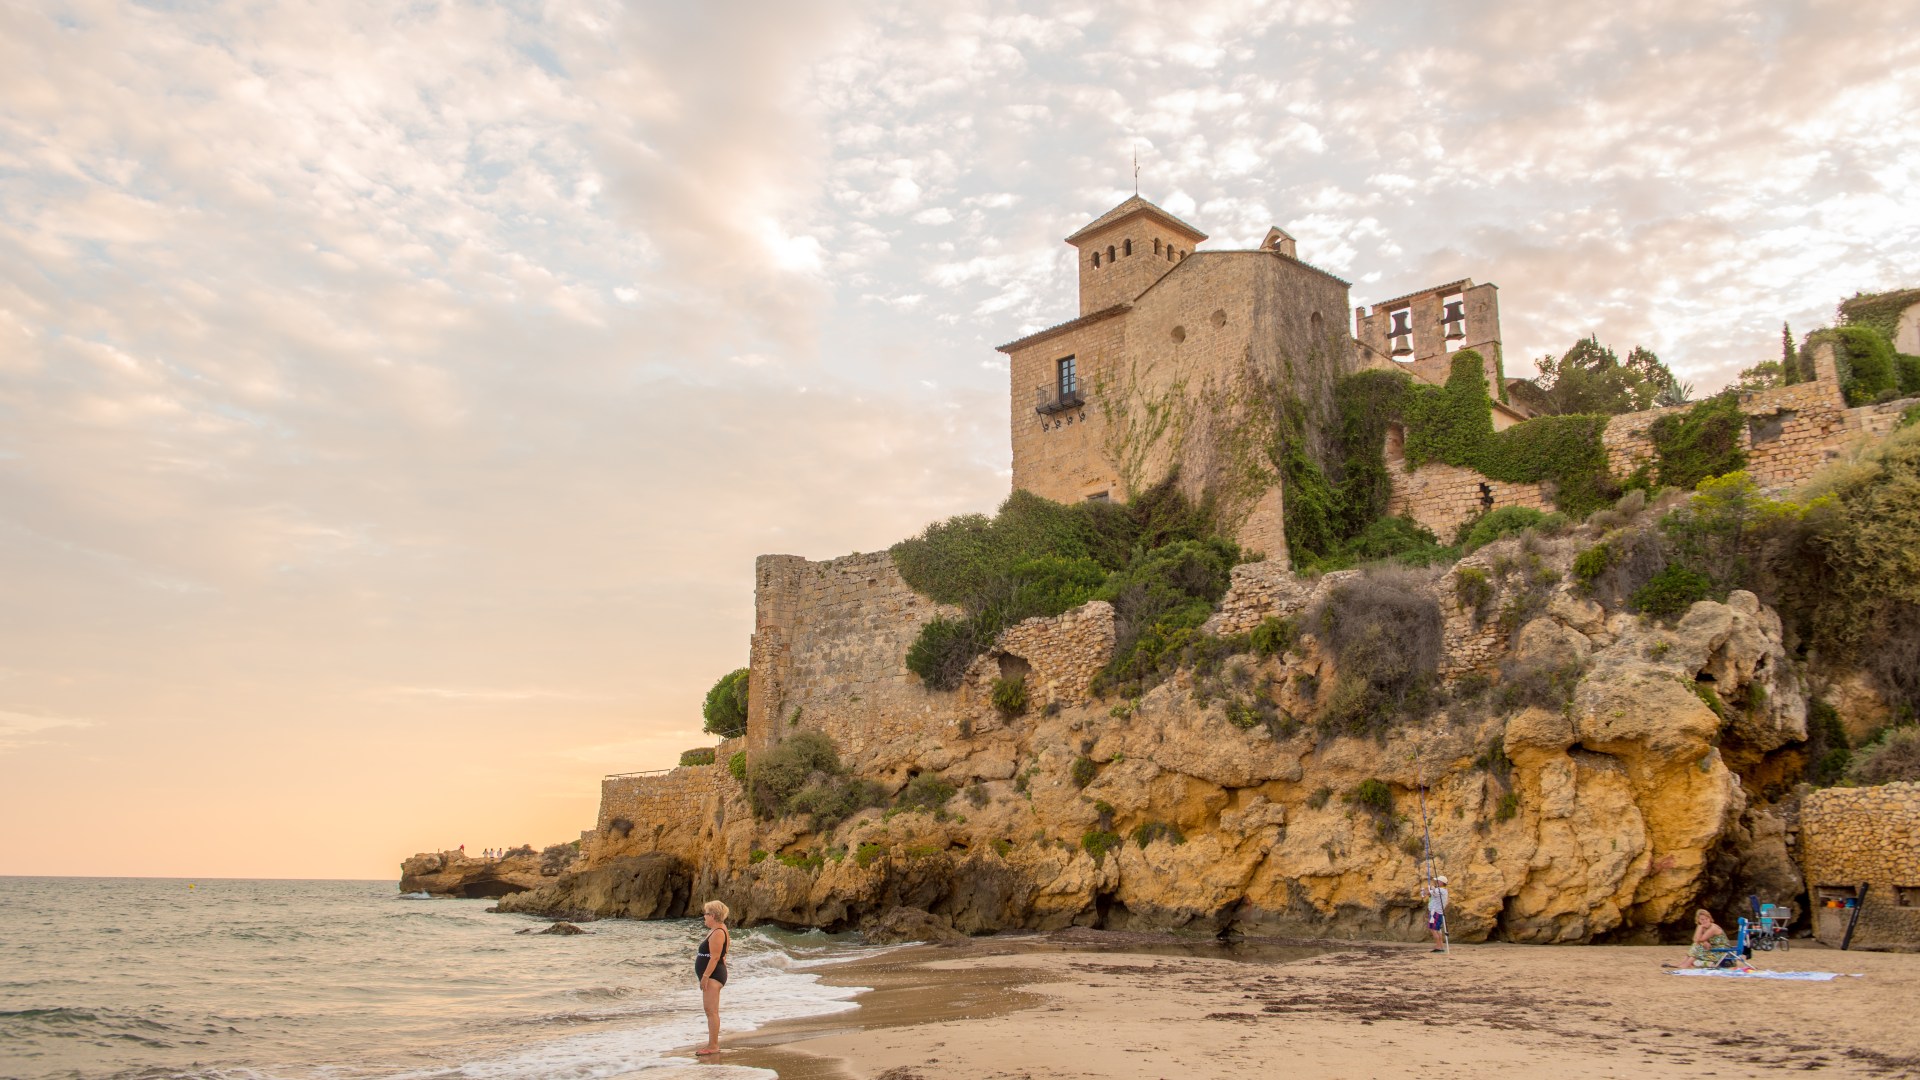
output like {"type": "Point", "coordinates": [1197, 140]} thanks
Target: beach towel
{"type": "Point", "coordinates": [1796, 976]}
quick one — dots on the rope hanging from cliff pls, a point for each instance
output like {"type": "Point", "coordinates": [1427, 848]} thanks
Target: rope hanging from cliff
{"type": "Point", "coordinates": [1426, 837]}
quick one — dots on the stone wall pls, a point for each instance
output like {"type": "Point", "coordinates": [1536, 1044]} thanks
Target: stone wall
{"type": "Point", "coordinates": [829, 651]}
{"type": "Point", "coordinates": [1443, 497]}
{"type": "Point", "coordinates": [1853, 835]}
{"type": "Point", "coordinates": [677, 811]}
{"type": "Point", "coordinates": [1263, 590]}
{"type": "Point", "coordinates": [1791, 431]}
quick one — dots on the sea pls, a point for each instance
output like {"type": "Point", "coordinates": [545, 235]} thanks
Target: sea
{"type": "Point", "coordinates": [203, 979]}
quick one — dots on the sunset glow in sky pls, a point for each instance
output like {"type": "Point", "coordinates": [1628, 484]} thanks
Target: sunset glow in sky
{"type": "Point", "coordinates": [393, 397]}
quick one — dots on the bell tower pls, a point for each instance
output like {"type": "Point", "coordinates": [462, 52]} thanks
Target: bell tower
{"type": "Point", "coordinates": [1126, 250]}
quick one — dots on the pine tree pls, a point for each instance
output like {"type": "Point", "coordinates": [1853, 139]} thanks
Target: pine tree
{"type": "Point", "coordinates": [1789, 360]}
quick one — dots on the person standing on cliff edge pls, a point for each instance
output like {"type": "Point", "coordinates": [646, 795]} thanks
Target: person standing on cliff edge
{"type": "Point", "coordinates": [710, 967]}
{"type": "Point", "coordinates": [1437, 911]}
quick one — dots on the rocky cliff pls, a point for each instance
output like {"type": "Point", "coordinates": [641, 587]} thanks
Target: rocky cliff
{"type": "Point", "coordinates": [1580, 774]}
{"type": "Point", "coordinates": [454, 873]}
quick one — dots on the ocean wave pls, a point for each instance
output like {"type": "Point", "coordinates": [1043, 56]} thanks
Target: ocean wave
{"type": "Point", "coordinates": [91, 1024]}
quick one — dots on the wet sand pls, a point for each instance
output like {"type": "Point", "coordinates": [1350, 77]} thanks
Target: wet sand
{"type": "Point", "coordinates": [1087, 1004]}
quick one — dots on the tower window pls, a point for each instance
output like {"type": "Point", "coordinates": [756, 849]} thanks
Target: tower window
{"type": "Point", "coordinates": [1156, 245]}
{"type": "Point", "coordinates": [1069, 379]}
{"type": "Point", "coordinates": [1126, 247]}
{"type": "Point", "coordinates": [1096, 260]}
{"type": "Point", "coordinates": [1110, 255]}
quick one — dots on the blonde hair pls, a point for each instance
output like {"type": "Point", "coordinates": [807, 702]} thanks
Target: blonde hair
{"type": "Point", "coordinates": [716, 909]}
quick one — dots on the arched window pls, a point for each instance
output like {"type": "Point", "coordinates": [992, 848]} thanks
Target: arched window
{"type": "Point", "coordinates": [1109, 252]}
{"type": "Point", "coordinates": [1096, 260]}
{"type": "Point", "coordinates": [1317, 325]}
{"type": "Point", "coordinates": [1126, 247]}
{"type": "Point", "coordinates": [1156, 245]}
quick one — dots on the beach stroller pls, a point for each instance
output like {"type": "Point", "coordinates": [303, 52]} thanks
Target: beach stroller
{"type": "Point", "coordinates": [1769, 930]}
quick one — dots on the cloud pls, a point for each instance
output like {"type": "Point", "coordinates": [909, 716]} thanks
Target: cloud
{"type": "Point", "coordinates": [377, 379]}
{"type": "Point", "coordinates": [19, 730]}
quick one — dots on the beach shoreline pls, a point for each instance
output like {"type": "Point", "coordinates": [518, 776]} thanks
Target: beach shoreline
{"type": "Point", "coordinates": [1089, 1004]}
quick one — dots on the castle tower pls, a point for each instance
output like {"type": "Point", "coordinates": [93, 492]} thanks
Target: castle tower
{"type": "Point", "coordinates": [1127, 249]}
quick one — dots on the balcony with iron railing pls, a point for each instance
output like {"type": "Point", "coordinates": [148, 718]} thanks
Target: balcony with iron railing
{"type": "Point", "coordinates": [1048, 400]}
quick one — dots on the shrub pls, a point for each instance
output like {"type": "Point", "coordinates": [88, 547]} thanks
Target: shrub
{"type": "Point", "coordinates": [699, 755]}
{"type": "Point", "coordinates": [1495, 524]}
{"type": "Point", "coordinates": [1083, 771]}
{"type": "Point", "coordinates": [1035, 557]}
{"type": "Point", "coordinates": [1671, 592]}
{"type": "Point", "coordinates": [1274, 636]}
{"type": "Point", "coordinates": [1828, 751]}
{"type": "Point", "coordinates": [1319, 798]}
{"type": "Point", "coordinates": [1373, 796]}
{"type": "Point", "coordinates": [1494, 759]}
{"type": "Point", "coordinates": [834, 800]}
{"type": "Point", "coordinates": [756, 857]}
{"type": "Point", "coordinates": [925, 792]}
{"type": "Point", "coordinates": [802, 759]}
{"type": "Point", "coordinates": [1388, 539]}
{"type": "Point", "coordinates": [1097, 842]}
{"type": "Point", "coordinates": [1148, 831]}
{"type": "Point", "coordinates": [1893, 757]}
{"type": "Point", "coordinates": [726, 705]}
{"type": "Point", "coordinates": [1702, 442]}
{"type": "Point", "coordinates": [737, 766]}
{"type": "Point", "coordinates": [1710, 698]}
{"type": "Point", "coordinates": [1001, 847]}
{"type": "Point", "coordinates": [1472, 588]}
{"type": "Point", "coordinates": [1507, 807]}
{"type": "Point", "coordinates": [1385, 633]}
{"type": "Point", "coordinates": [1159, 602]}
{"type": "Point", "coordinates": [555, 858]}
{"type": "Point", "coordinates": [802, 860]}
{"type": "Point", "coordinates": [1010, 695]}
{"type": "Point", "coordinates": [865, 854]}
{"type": "Point", "coordinates": [1536, 682]}
{"type": "Point", "coordinates": [1590, 564]}
{"type": "Point", "coordinates": [943, 649]}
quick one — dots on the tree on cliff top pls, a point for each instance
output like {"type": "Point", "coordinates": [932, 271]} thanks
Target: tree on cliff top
{"type": "Point", "coordinates": [726, 707]}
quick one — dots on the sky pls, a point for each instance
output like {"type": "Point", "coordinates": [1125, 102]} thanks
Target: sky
{"type": "Point", "coordinates": [394, 397]}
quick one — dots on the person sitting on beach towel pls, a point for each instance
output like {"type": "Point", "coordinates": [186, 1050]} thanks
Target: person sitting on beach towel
{"type": "Point", "coordinates": [1707, 937]}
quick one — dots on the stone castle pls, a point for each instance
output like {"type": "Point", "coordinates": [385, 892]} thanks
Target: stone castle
{"type": "Point", "coordinates": [1174, 352]}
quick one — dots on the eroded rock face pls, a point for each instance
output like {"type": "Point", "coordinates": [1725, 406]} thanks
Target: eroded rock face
{"type": "Point", "coordinates": [1606, 816]}
{"type": "Point", "coordinates": [651, 886]}
{"type": "Point", "coordinates": [451, 873]}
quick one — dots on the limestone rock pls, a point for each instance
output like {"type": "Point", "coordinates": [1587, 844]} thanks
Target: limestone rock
{"type": "Point", "coordinates": [904, 924]}
{"type": "Point", "coordinates": [565, 929]}
{"type": "Point", "coordinates": [453, 873]}
{"type": "Point", "coordinates": [651, 886]}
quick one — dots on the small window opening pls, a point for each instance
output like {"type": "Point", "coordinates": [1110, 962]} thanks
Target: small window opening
{"type": "Point", "coordinates": [1096, 260]}
{"type": "Point", "coordinates": [1100, 496]}
{"type": "Point", "coordinates": [1906, 896]}
{"type": "Point", "coordinates": [1317, 326]}
{"type": "Point", "coordinates": [1110, 255]}
{"type": "Point", "coordinates": [1156, 245]}
{"type": "Point", "coordinates": [1126, 247]}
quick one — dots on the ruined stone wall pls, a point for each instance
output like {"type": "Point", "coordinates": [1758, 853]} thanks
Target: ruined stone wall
{"type": "Point", "coordinates": [1264, 590]}
{"type": "Point", "coordinates": [1791, 431]}
{"type": "Point", "coordinates": [1443, 497]}
{"type": "Point", "coordinates": [677, 811]}
{"type": "Point", "coordinates": [1853, 835]}
{"type": "Point", "coordinates": [829, 651]}
{"type": "Point", "coordinates": [1877, 421]}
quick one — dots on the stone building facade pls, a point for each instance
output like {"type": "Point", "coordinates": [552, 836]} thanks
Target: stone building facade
{"type": "Point", "coordinates": [1179, 357]}
{"type": "Point", "coordinates": [1864, 836]}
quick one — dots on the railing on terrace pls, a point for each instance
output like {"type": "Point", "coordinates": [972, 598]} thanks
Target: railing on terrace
{"type": "Point", "coordinates": [630, 775]}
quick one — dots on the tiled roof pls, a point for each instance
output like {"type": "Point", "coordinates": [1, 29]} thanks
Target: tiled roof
{"type": "Point", "coordinates": [1059, 328]}
{"type": "Point", "coordinates": [1127, 209]}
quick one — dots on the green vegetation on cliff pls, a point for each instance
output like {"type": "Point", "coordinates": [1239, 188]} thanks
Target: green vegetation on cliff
{"type": "Point", "coordinates": [1157, 558]}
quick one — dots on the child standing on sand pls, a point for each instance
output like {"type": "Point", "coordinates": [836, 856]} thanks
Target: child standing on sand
{"type": "Point", "coordinates": [1437, 911]}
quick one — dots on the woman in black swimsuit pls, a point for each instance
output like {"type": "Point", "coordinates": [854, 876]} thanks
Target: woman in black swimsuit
{"type": "Point", "coordinates": [710, 967]}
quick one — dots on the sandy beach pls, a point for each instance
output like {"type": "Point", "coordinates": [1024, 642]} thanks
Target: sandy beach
{"type": "Point", "coordinates": [1087, 1004]}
